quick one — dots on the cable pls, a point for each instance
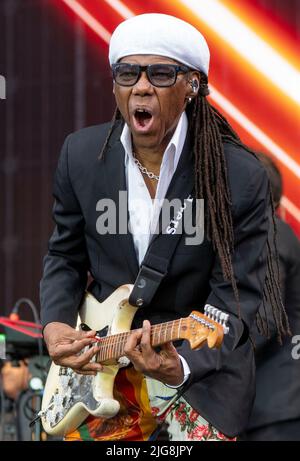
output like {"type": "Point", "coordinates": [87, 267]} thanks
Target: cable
{"type": "Point", "coordinates": [27, 405]}
{"type": "Point", "coordinates": [37, 321]}
{"type": "Point", "coordinates": [27, 409]}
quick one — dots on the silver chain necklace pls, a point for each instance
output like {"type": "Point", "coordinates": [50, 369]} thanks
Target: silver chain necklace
{"type": "Point", "coordinates": [144, 169]}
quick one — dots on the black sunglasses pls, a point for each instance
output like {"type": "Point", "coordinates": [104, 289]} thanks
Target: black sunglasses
{"type": "Point", "coordinates": [161, 75]}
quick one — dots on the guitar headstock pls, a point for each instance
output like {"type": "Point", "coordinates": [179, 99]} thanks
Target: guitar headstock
{"type": "Point", "coordinates": [201, 329]}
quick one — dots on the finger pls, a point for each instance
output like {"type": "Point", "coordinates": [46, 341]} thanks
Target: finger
{"type": "Point", "coordinates": [89, 368]}
{"type": "Point", "coordinates": [132, 342]}
{"type": "Point", "coordinates": [65, 350]}
{"type": "Point", "coordinates": [147, 349]}
{"type": "Point", "coordinates": [73, 334]}
{"type": "Point", "coordinates": [86, 357]}
{"type": "Point", "coordinates": [169, 348]}
{"type": "Point", "coordinates": [87, 334]}
{"type": "Point", "coordinates": [80, 334]}
{"type": "Point", "coordinates": [78, 361]}
{"type": "Point", "coordinates": [92, 366]}
{"type": "Point", "coordinates": [87, 373]}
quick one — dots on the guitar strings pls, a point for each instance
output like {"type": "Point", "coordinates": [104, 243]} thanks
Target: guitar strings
{"type": "Point", "coordinates": [113, 346]}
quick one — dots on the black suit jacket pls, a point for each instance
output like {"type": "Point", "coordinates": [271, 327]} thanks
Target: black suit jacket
{"type": "Point", "coordinates": [278, 373]}
{"type": "Point", "coordinates": [221, 384]}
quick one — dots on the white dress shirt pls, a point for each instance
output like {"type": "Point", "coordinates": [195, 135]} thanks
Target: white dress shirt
{"type": "Point", "coordinates": [143, 211]}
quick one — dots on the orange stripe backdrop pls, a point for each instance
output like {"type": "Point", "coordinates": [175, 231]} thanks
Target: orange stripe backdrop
{"type": "Point", "coordinates": [252, 95]}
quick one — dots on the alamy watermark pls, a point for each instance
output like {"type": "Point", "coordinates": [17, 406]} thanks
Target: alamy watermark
{"type": "Point", "coordinates": [2, 87]}
{"type": "Point", "coordinates": [296, 348]}
{"type": "Point", "coordinates": [169, 217]}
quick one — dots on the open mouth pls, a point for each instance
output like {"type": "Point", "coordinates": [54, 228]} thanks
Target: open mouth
{"type": "Point", "coordinates": [142, 117]}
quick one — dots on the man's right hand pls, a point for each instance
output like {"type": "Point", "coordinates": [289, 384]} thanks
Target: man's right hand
{"type": "Point", "coordinates": [64, 345]}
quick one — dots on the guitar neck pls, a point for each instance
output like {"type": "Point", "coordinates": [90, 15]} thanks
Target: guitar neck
{"type": "Point", "coordinates": [112, 347]}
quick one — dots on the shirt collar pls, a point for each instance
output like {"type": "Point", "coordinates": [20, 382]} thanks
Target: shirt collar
{"type": "Point", "coordinates": [175, 145]}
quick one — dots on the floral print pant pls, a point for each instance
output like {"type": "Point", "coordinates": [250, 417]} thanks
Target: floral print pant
{"type": "Point", "coordinates": [184, 423]}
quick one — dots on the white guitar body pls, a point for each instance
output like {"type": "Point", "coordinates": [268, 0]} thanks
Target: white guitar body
{"type": "Point", "coordinates": [69, 397]}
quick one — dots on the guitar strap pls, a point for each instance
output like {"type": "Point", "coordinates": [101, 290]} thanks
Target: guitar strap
{"type": "Point", "coordinates": [156, 262]}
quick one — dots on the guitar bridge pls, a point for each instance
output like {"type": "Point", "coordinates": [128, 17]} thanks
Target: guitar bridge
{"type": "Point", "coordinates": [218, 316]}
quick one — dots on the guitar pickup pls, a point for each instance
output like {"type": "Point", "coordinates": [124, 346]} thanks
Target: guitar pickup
{"type": "Point", "coordinates": [218, 316]}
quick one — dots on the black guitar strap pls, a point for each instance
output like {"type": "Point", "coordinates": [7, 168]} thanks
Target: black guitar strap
{"type": "Point", "coordinates": [157, 259]}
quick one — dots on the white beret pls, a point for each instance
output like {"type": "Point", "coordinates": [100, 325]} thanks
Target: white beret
{"type": "Point", "coordinates": [162, 35]}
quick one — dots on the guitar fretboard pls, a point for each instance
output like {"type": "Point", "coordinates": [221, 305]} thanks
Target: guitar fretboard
{"type": "Point", "coordinates": [112, 347]}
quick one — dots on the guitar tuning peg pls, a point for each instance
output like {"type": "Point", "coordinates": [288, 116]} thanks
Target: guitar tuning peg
{"type": "Point", "coordinates": [218, 314]}
{"type": "Point", "coordinates": [223, 320]}
{"type": "Point", "coordinates": [209, 309]}
{"type": "Point", "coordinates": [226, 317]}
{"type": "Point", "coordinates": [214, 313]}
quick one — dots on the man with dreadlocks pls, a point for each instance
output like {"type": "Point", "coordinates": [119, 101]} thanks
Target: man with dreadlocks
{"type": "Point", "coordinates": [165, 141]}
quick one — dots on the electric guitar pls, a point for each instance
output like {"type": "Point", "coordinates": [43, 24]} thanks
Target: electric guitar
{"type": "Point", "coordinates": [69, 397]}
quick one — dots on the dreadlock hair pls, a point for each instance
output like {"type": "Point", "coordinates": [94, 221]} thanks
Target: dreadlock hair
{"type": "Point", "coordinates": [115, 119]}
{"type": "Point", "coordinates": [274, 176]}
{"type": "Point", "coordinates": [209, 129]}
